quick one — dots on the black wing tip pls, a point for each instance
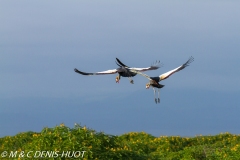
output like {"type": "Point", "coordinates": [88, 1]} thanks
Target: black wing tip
{"type": "Point", "coordinates": [76, 70]}
{"type": "Point", "coordinates": [191, 57]}
{"type": "Point", "coordinates": [117, 62]}
{"type": "Point", "coordinates": [83, 73]}
{"type": "Point", "coordinates": [120, 63]}
{"type": "Point", "coordinates": [190, 60]}
{"type": "Point", "coordinates": [157, 64]}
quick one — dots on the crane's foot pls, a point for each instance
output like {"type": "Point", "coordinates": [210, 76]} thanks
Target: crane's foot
{"type": "Point", "coordinates": [158, 100]}
{"type": "Point", "coordinates": [131, 81]}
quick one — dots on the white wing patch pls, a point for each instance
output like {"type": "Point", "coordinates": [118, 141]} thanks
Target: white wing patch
{"type": "Point", "coordinates": [144, 69]}
{"type": "Point", "coordinates": [113, 71]}
{"type": "Point", "coordinates": [169, 73]}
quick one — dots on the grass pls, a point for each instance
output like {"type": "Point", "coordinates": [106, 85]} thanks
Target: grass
{"type": "Point", "coordinates": [133, 146]}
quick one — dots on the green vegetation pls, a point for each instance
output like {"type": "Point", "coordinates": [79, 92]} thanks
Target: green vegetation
{"type": "Point", "coordinates": [133, 145]}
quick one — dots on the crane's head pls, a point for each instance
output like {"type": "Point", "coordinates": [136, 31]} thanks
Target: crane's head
{"type": "Point", "coordinates": [147, 85]}
{"type": "Point", "coordinates": [117, 79]}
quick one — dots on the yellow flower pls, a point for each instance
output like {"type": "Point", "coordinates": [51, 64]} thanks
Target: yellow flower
{"type": "Point", "coordinates": [35, 135]}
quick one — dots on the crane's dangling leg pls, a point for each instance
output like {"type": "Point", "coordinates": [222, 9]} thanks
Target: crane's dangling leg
{"type": "Point", "coordinates": [131, 81]}
{"type": "Point", "coordinates": [118, 78]}
{"type": "Point", "coordinates": [155, 94]}
{"type": "Point", "coordinates": [158, 95]}
{"type": "Point", "coordinates": [129, 76]}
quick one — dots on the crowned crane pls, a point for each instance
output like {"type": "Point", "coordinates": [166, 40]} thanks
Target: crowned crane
{"type": "Point", "coordinates": [123, 71]}
{"type": "Point", "coordinates": [154, 81]}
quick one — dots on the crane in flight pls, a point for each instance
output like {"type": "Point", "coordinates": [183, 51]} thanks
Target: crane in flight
{"type": "Point", "coordinates": [123, 71]}
{"type": "Point", "coordinates": [154, 81]}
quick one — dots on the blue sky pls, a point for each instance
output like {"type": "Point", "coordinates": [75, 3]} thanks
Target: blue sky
{"type": "Point", "coordinates": [42, 42]}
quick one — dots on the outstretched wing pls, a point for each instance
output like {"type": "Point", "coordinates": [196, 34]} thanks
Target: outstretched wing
{"type": "Point", "coordinates": [120, 63]}
{"type": "Point", "coordinates": [113, 71]}
{"type": "Point", "coordinates": [140, 73]}
{"type": "Point", "coordinates": [155, 66]}
{"type": "Point", "coordinates": [169, 73]}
